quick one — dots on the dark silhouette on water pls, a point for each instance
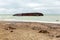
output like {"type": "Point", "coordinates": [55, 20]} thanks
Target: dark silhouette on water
{"type": "Point", "coordinates": [57, 20]}
{"type": "Point", "coordinates": [28, 14]}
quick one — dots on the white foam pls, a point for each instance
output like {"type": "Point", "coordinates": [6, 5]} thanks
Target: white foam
{"type": "Point", "coordinates": [28, 21]}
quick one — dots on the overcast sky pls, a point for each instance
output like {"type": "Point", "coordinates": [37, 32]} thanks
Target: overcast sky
{"type": "Point", "coordinates": [19, 6]}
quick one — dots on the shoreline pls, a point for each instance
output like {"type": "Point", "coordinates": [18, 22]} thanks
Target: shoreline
{"type": "Point", "coordinates": [14, 20]}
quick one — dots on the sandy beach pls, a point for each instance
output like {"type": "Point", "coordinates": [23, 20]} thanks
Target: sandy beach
{"type": "Point", "coordinates": [29, 31]}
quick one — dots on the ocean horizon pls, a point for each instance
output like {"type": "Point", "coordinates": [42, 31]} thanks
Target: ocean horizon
{"type": "Point", "coordinates": [46, 17]}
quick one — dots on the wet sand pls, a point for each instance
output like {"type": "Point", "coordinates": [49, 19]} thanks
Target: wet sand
{"type": "Point", "coordinates": [29, 31]}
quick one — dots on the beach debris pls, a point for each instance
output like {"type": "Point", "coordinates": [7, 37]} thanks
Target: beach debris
{"type": "Point", "coordinates": [58, 36]}
{"type": "Point", "coordinates": [43, 31]}
{"type": "Point", "coordinates": [11, 31]}
{"type": "Point", "coordinates": [10, 28]}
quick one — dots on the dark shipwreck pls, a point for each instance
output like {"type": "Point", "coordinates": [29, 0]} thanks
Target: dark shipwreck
{"type": "Point", "coordinates": [28, 14]}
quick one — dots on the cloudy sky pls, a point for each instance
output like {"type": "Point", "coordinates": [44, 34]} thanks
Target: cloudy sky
{"type": "Point", "coordinates": [19, 6]}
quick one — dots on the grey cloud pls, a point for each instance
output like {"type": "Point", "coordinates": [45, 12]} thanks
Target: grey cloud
{"type": "Point", "coordinates": [48, 6]}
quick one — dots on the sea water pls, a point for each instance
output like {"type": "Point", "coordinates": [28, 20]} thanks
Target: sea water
{"type": "Point", "coordinates": [46, 17]}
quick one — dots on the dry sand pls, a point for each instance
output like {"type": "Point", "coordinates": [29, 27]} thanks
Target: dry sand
{"type": "Point", "coordinates": [29, 31]}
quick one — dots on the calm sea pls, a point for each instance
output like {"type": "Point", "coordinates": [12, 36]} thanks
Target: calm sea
{"type": "Point", "coordinates": [46, 17]}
